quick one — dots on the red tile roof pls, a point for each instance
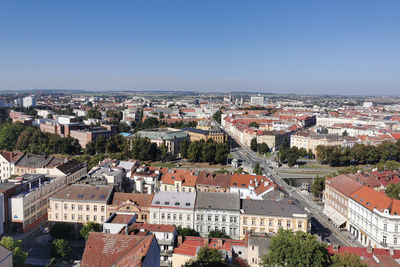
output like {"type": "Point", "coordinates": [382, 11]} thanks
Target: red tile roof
{"type": "Point", "coordinates": [142, 200]}
{"type": "Point", "coordinates": [187, 177]}
{"type": "Point", "coordinates": [104, 250]}
{"type": "Point", "coordinates": [344, 184]}
{"type": "Point", "coordinates": [214, 179]}
{"type": "Point", "coordinates": [154, 227]}
{"type": "Point", "coordinates": [11, 156]}
{"type": "Point", "coordinates": [371, 199]}
{"type": "Point", "coordinates": [122, 218]}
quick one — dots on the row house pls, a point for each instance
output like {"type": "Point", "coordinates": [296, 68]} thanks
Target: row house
{"type": "Point", "coordinates": [213, 182]}
{"type": "Point", "coordinates": [134, 203]}
{"type": "Point", "coordinates": [7, 163]}
{"type": "Point", "coordinates": [251, 186]}
{"type": "Point", "coordinates": [80, 203]}
{"type": "Point", "coordinates": [178, 180]}
{"type": "Point", "coordinates": [310, 141]}
{"type": "Point", "coordinates": [146, 180]}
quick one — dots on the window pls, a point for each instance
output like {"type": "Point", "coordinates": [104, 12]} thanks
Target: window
{"type": "Point", "coordinates": [80, 217]}
{"type": "Point", "coordinates": [65, 206]}
{"type": "Point", "coordinates": [396, 228]}
{"type": "Point", "coordinates": [209, 218]}
{"type": "Point", "coordinates": [154, 215]}
{"type": "Point", "coordinates": [394, 240]}
{"type": "Point", "coordinates": [65, 216]}
{"type": "Point", "coordinates": [209, 228]}
{"type": "Point", "coordinates": [223, 229]}
{"type": "Point", "coordinates": [79, 207]}
{"type": "Point", "coordinates": [180, 217]}
{"type": "Point", "coordinates": [384, 239]}
{"type": "Point", "coordinates": [216, 218]}
{"type": "Point", "coordinates": [56, 206]}
{"type": "Point", "coordinates": [87, 208]}
{"type": "Point", "coordinates": [385, 227]}
{"type": "Point", "coordinates": [72, 216]}
{"type": "Point", "coordinates": [271, 223]}
{"type": "Point", "coordinates": [107, 231]}
{"type": "Point", "coordinates": [94, 218]}
{"type": "Point", "coordinates": [253, 221]}
{"type": "Point", "coordinates": [168, 216]}
{"type": "Point", "coordinates": [102, 208]}
{"type": "Point", "coordinates": [102, 218]}
{"type": "Point", "coordinates": [224, 218]}
{"type": "Point", "coordinates": [300, 225]}
{"type": "Point", "coordinates": [162, 216]}
{"type": "Point", "coordinates": [244, 220]}
{"type": "Point", "coordinates": [87, 218]}
{"type": "Point", "coordinates": [72, 206]}
{"type": "Point", "coordinates": [188, 217]}
{"type": "Point", "coordinates": [174, 216]}
{"type": "Point", "coordinates": [288, 224]}
{"type": "Point", "coordinates": [95, 208]}
{"type": "Point", "coordinates": [279, 223]}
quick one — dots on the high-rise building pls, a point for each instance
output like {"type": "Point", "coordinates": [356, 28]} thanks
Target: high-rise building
{"type": "Point", "coordinates": [29, 101]}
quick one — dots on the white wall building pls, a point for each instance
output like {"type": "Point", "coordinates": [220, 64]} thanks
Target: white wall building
{"type": "Point", "coordinates": [29, 101]}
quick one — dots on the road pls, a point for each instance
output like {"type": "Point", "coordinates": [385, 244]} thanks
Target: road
{"type": "Point", "coordinates": [320, 225]}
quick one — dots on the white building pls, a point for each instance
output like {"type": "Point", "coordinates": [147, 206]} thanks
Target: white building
{"type": "Point", "coordinates": [30, 205]}
{"type": "Point", "coordinates": [7, 163]}
{"type": "Point", "coordinates": [44, 113]}
{"type": "Point", "coordinates": [117, 222]}
{"type": "Point", "coordinates": [257, 100]}
{"type": "Point", "coordinates": [146, 181]}
{"type": "Point", "coordinates": [29, 101]}
{"type": "Point", "coordinates": [217, 211]}
{"type": "Point", "coordinates": [374, 218]}
{"type": "Point", "coordinates": [2, 215]}
{"type": "Point", "coordinates": [173, 208]}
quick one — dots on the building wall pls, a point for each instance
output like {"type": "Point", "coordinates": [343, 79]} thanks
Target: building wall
{"type": "Point", "coordinates": [211, 188]}
{"type": "Point", "coordinates": [207, 220]}
{"type": "Point", "coordinates": [179, 260]}
{"type": "Point", "coordinates": [336, 200]}
{"type": "Point", "coordinates": [5, 168]}
{"type": "Point", "coordinates": [177, 217]}
{"type": "Point", "coordinates": [77, 211]}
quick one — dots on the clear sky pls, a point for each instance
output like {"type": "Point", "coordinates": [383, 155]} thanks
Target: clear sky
{"type": "Point", "coordinates": [301, 46]}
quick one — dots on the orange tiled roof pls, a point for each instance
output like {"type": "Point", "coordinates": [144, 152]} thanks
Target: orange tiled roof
{"type": "Point", "coordinates": [371, 199]}
{"type": "Point", "coordinates": [187, 177]}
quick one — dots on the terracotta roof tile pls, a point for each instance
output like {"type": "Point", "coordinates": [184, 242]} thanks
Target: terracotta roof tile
{"type": "Point", "coordinates": [142, 200]}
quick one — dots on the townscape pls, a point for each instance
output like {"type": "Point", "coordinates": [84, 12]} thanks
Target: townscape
{"type": "Point", "coordinates": [129, 179]}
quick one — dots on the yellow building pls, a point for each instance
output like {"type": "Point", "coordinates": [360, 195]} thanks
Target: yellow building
{"type": "Point", "coordinates": [80, 204]}
{"type": "Point", "coordinates": [310, 141]}
{"type": "Point", "coordinates": [214, 133]}
{"type": "Point", "coordinates": [269, 216]}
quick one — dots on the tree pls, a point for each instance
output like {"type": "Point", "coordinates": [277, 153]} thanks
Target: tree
{"type": "Point", "coordinates": [61, 248]}
{"type": "Point", "coordinates": [217, 116]}
{"type": "Point", "coordinates": [15, 246]}
{"type": "Point", "coordinates": [94, 114]}
{"type": "Point", "coordinates": [222, 152]}
{"type": "Point", "coordinates": [208, 151]}
{"type": "Point", "coordinates": [123, 127]}
{"type": "Point", "coordinates": [195, 151]}
{"type": "Point", "coordinates": [89, 227]}
{"type": "Point", "coordinates": [186, 231]}
{"type": "Point", "coordinates": [218, 234]}
{"type": "Point", "coordinates": [318, 186]}
{"type": "Point", "coordinates": [257, 169]}
{"type": "Point", "coordinates": [183, 149]}
{"type": "Point", "coordinates": [393, 191]}
{"type": "Point", "coordinates": [295, 249]}
{"type": "Point", "coordinates": [254, 124]}
{"type": "Point", "coordinates": [9, 134]}
{"type": "Point", "coordinates": [253, 144]}
{"type": "Point", "coordinates": [100, 144]}
{"type": "Point", "coordinates": [163, 152]}
{"type": "Point", "coordinates": [347, 260]}
{"type": "Point", "coordinates": [263, 148]}
{"type": "Point", "coordinates": [61, 230]}
{"type": "Point", "coordinates": [345, 133]}
{"type": "Point", "coordinates": [90, 148]}
{"type": "Point", "coordinates": [209, 257]}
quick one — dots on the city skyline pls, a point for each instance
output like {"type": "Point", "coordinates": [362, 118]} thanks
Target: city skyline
{"type": "Point", "coordinates": [310, 47]}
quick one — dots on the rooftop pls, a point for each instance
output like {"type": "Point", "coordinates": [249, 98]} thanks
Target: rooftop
{"type": "Point", "coordinates": [183, 200]}
{"type": "Point", "coordinates": [270, 208]}
{"type": "Point", "coordinates": [217, 201]}
{"type": "Point", "coordinates": [80, 192]}
{"type": "Point", "coordinates": [142, 200]}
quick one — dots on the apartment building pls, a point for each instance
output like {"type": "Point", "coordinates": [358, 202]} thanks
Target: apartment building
{"type": "Point", "coordinates": [336, 198]}
{"type": "Point", "coordinates": [374, 218]}
{"type": "Point", "coordinates": [135, 203]}
{"type": "Point", "coordinates": [79, 203]}
{"type": "Point", "coordinates": [217, 211]}
{"type": "Point", "coordinates": [90, 135]}
{"type": "Point", "coordinates": [214, 133]}
{"type": "Point", "coordinates": [251, 186]}
{"type": "Point", "coordinates": [29, 205]}
{"type": "Point", "coordinates": [310, 141]}
{"type": "Point", "coordinates": [178, 180]}
{"type": "Point", "coordinates": [173, 208]}
{"type": "Point", "coordinates": [269, 216]}
{"type": "Point", "coordinates": [213, 182]}
{"type": "Point", "coordinates": [7, 163]}
{"type": "Point", "coordinates": [146, 180]}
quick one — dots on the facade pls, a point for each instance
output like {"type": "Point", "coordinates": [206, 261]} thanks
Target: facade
{"type": "Point", "coordinates": [145, 180]}
{"type": "Point", "coordinates": [374, 218]}
{"type": "Point", "coordinates": [177, 180]}
{"type": "Point", "coordinates": [214, 133]}
{"type": "Point", "coordinates": [213, 182]}
{"type": "Point", "coordinates": [269, 216]}
{"type": "Point", "coordinates": [217, 211]}
{"type": "Point", "coordinates": [103, 250]}
{"type": "Point", "coordinates": [134, 203]}
{"type": "Point", "coordinates": [117, 222]}
{"type": "Point", "coordinates": [173, 208]}
{"type": "Point", "coordinates": [29, 101]}
{"type": "Point", "coordinates": [310, 141]}
{"type": "Point", "coordinates": [7, 163]}
{"type": "Point", "coordinates": [251, 186]}
{"type": "Point", "coordinates": [336, 198]}
{"type": "Point", "coordinates": [80, 204]}
{"type": "Point", "coordinates": [258, 244]}
{"type": "Point", "coordinates": [29, 206]}
{"type": "Point", "coordinates": [171, 137]}
{"type": "Point", "coordinates": [86, 136]}
{"type": "Point", "coordinates": [113, 176]}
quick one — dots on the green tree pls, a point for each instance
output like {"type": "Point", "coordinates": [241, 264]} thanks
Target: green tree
{"type": "Point", "coordinates": [347, 260]}
{"type": "Point", "coordinates": [209, 257]}
{"type": "Point", "coordinates": [123, 127]}
{"type": "Point", "coordinates": [183, 149]}
{"type": "Point", "coordinates": [208, 151]}
{"type": "Point", "coordinates": [164, 155]}
{"type": "Point", "coordinates": [61, 230]}
{"type": "Point", "coordinates": [318, 186]}
{"type": "Point", "coordinates": [222, 152]}
{"type": "Point", "coordinates": [257, 169]}
{"type": "Point", "coordinates": [345, 133]}
{"type": "Point", "coordinates": [218, 234]}
{"type": "Point", "coordinates": [217, 116]}
{"type": "Point", "coordinates": [195, 150]}
{"type": "Point", "coordinates": [90, 148]}
{"type": "Point", "coordinates": [295, 249]}
{"type": "Point", "coordinates": [9, 134]}
{"type": "Point", "coordinates": [254, 124]}
{"type": "Point", "coordinates": [186, 231]}
{"type": "Point", "coordinates": [61, 248]}
{"type": "Point", "coordinates": [253, 144]}
{"type": "Point", "coordinates": [393, 191]}
{"type": "Point", "coordinates": [89, 227]}
{"type": "Point", "coordinates": [15, 246]}
{"type": "Point", "coordinates": [263, 148]}
{"type": "Point", "coordinates": [94, 114]}
{"type": "Point", "coordinates": [100, 144]}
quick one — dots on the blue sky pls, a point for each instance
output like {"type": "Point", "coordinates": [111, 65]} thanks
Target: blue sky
{"type": "Point", "coordinates": [308, 47]}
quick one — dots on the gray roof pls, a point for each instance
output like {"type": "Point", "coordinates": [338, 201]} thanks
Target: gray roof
{"type": "Point", "coordinates": [80, 192]}
{"type": "Point", "coordinates": [183, 200]}
{"type": "Point", "coordinates": [217, 201]}
{"type": "Point", "coordinates": [34, 161]}
{"type": "Point", "coordinates": [162, 134]}
{"type": "Point", "coordinates": [270, 208]}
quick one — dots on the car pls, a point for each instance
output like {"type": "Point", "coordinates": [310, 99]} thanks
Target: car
{"type": "Point", "coordinates": [328, 241]}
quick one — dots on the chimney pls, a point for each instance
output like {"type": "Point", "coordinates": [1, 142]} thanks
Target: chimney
{"type": "Point", "coordinates": [266, 183]}
{"type": "Point", "coordinates": [256, 182]}
{"type": "Point", "coordinates": [335, 247]}
{"type": "Point", "coordinates": [370, 249]}
{"type": "Point", "coordinates": [126, 230]}
{"type": "Point", "coordinates": [251, 181]}
{"type": "Point", "coordinates": [180, 240]}
{"type": "Point", "coordinates": [205, 242]}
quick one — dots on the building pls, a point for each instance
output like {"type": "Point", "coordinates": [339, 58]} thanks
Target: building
{"type": "Point", "coordinates": [173, 208]}
{"type": "Point", "coordinates": [217, 211]}
{"type": "Point", "coordinates": [213, 182]}
{"type": "Point", "coordinates": [257, 100]}
{"type": "Point", "coordinates": [310, 141]}
{"type": "Point", "coordinates": [336, 198]}
{"type": "Point", "coordinates": [72, 169]}
{"type": "Point", "coordinates": [264, 216]}
{"type": "Point", "coordinates": [178, 180]}
{"type": "Point", "coordinates": [146, 180]}
{"type": "Point", "coordinates": [170, 137]}
{"type": "Point", "coordinates": [214, 133]}
{"type": "Point", "coordinates": [118, 221]}
{"type": "Point", "coordinates": [257, 247]}
{"type": "Point", "coordinates": [251, 186]}
{"type": "Point", "coordinates": [112, 176]}
{"type": "Point", "coordinates": [90, 135]}
{"type": "Point", "coordinates": [32, 164]}
{"type": "Point", "coordinates": [134, 203]}
{"type": "Point", "coordinates": [29, 101]}
{"type": "Point", "coordinates": [374, 218]}
{"type": "Point", "coordinates": [7, 163]}
{"type": "Point", "coordinates": [187, 249]}
{"type": "Point", "coordinates": [6, 257]}
{"type": "Point", "coordinates": [80, 204]}
{"type": "Point", "coordinates": [29, 205]}
{"type": "Point", "coordinates": [104, 250]}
